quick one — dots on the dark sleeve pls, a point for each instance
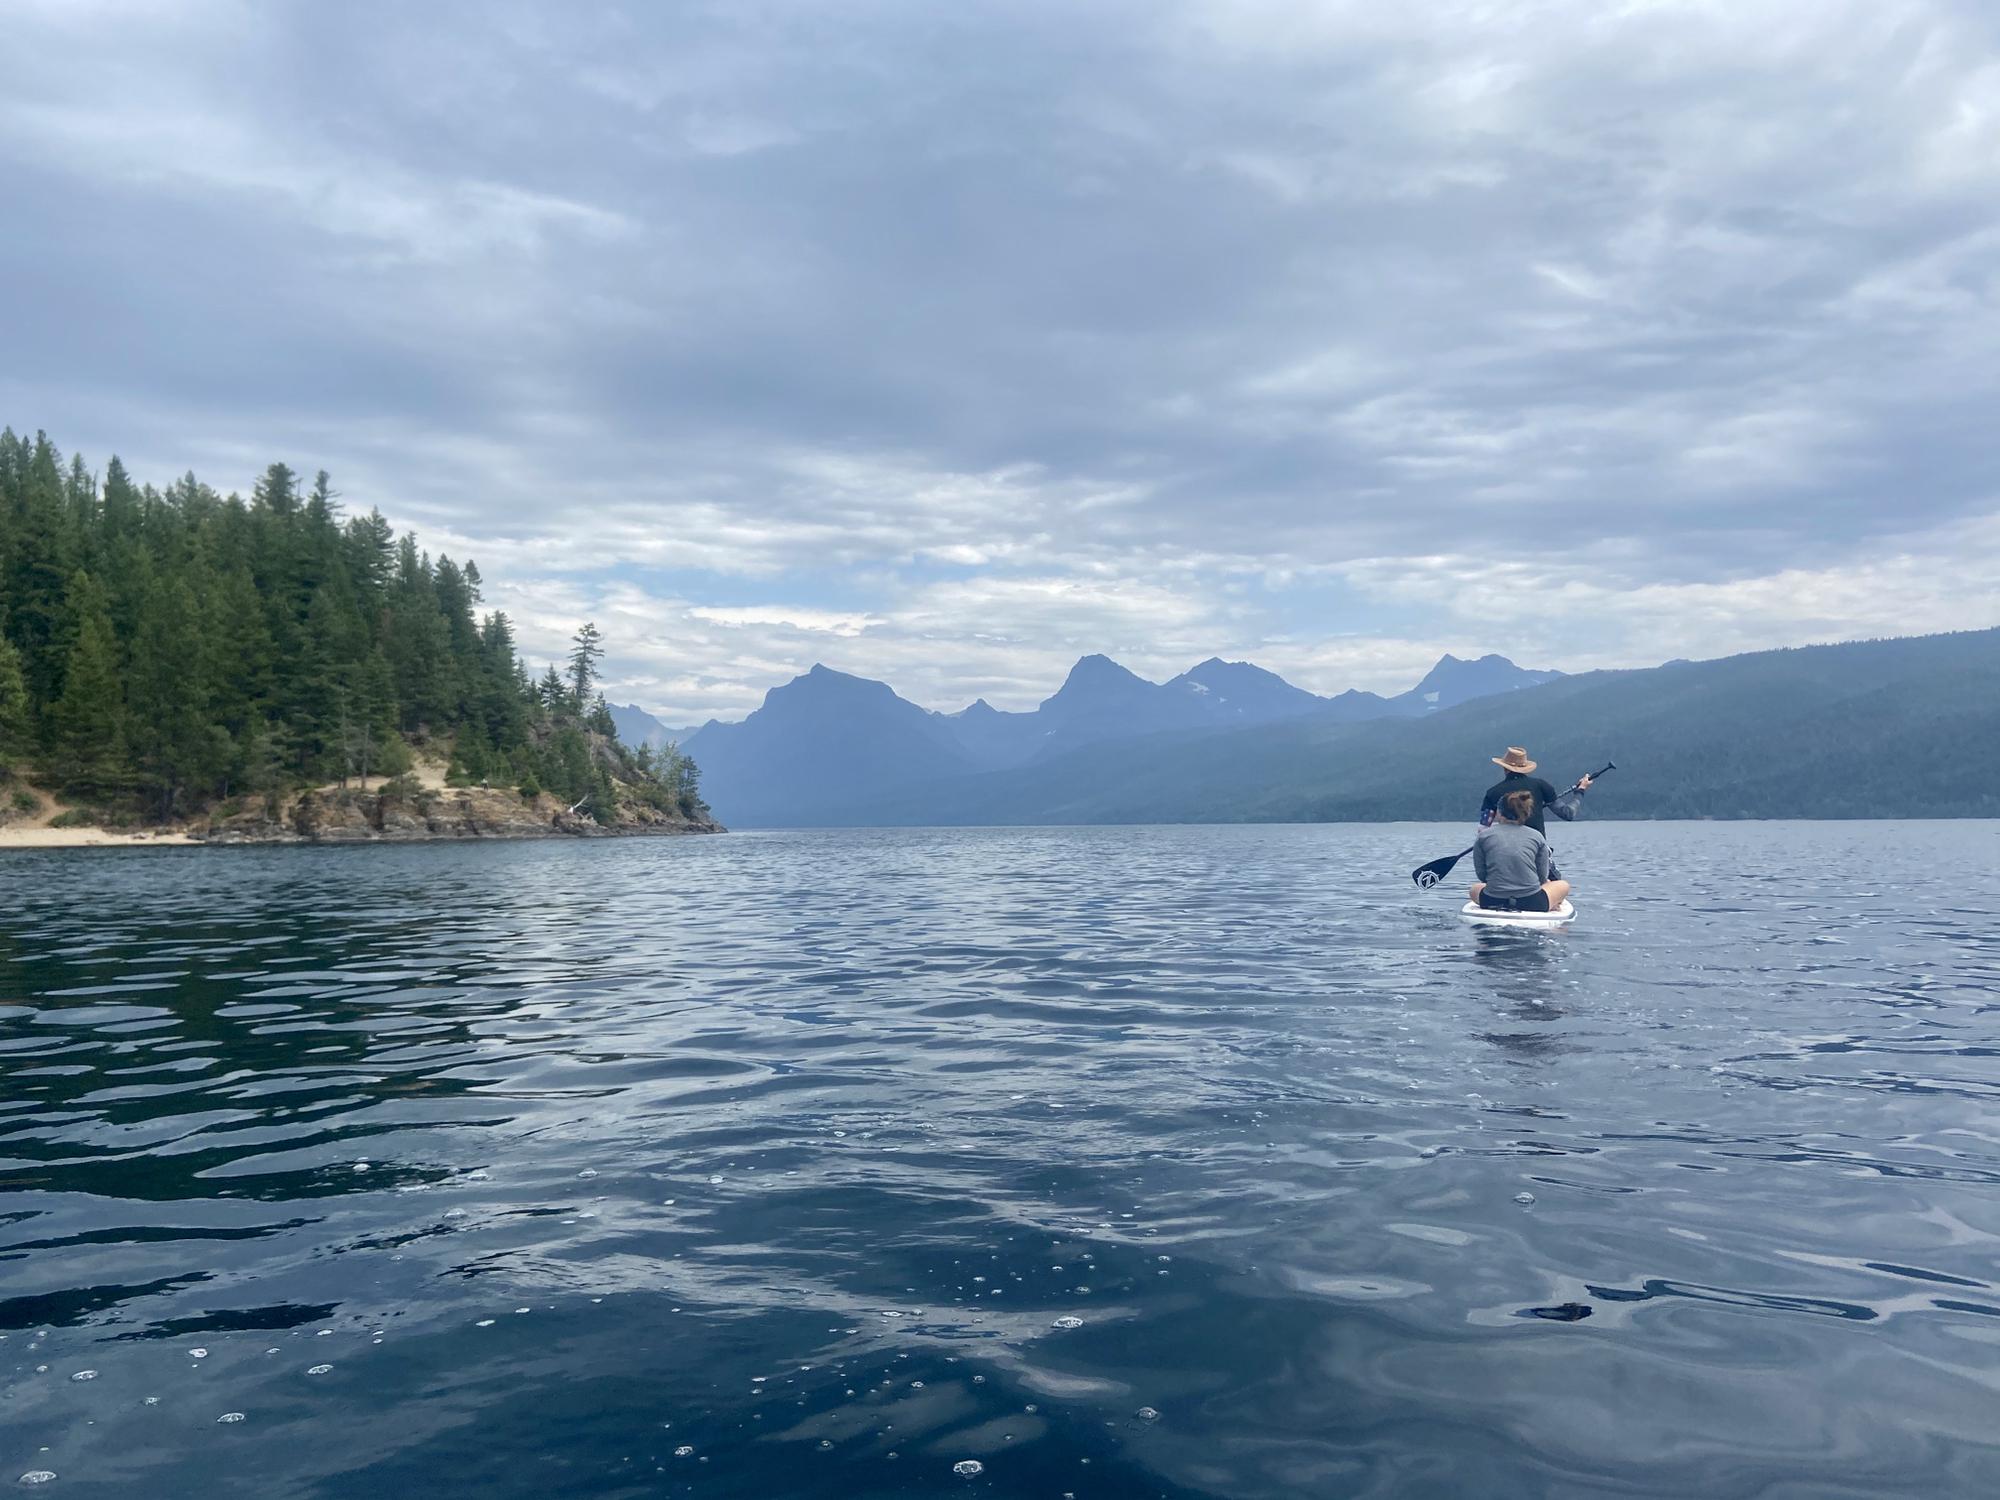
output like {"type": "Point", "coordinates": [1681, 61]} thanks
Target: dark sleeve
{"type": "Point", "coordinates": [1567, 806]}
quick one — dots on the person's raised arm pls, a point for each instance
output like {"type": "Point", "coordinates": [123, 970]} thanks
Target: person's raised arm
{"type": "Point", "coordinates": [1570, 803]}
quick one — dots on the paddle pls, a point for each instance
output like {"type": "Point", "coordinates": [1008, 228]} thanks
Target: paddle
{"type": "Point", "coordinates": [1429, 875]}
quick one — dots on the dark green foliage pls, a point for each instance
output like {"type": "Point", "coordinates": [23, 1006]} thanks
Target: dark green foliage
{"type": "Point", "coordinates": [16, 730]}
{"type": "Point", "coordinates": [162, 651]}
{"type": "Point", "coordinates": [586, 651]}
{"type": "Point", "coordinates": [86, 725]}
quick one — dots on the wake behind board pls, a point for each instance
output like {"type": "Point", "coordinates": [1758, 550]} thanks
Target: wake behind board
{"type": "Point", "coordinates": [1488, 917]}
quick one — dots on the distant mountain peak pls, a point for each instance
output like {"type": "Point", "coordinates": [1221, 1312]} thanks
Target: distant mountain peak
{"type": "Point", "coordinates": [1099, 666]}
{"type": "Point", "coordinates": [1456, 680]}
{"type": "Point", "coordinates": [1096, 677]}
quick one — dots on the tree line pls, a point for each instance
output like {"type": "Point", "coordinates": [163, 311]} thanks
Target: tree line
{"type": "Point", "coordinates": [163, 651]}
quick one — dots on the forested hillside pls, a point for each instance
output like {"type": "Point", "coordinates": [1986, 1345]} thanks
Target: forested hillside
{"type": "Point", "coordinates": [1864, 729]}
{"type": "Point", "coordinates": [163, 651]}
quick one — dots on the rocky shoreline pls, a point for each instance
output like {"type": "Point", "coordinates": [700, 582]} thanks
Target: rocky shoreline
{"type": "Point", "coordinates": [333, 816]}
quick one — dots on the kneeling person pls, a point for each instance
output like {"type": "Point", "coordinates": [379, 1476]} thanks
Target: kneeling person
{"type": "Point", "coordinates": [1512, 861]}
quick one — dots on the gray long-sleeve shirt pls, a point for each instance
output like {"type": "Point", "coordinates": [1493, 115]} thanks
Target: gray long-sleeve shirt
{"type": "Point", "coordinates": [1512, 858]}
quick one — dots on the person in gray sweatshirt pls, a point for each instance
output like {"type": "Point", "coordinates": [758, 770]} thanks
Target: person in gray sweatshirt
{"type": "Point", "coordinates": [1512, 862]}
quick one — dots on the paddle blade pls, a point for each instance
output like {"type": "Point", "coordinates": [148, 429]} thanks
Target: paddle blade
{"type": "Point", "coordinates": [1429, 875]}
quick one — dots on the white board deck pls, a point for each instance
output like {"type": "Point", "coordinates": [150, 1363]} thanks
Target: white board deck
{"type": "Point", "coordinates": [1475, 913]}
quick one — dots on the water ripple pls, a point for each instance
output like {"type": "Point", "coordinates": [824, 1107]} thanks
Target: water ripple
{"type": "Point", "coordinates": [1110, 1162]}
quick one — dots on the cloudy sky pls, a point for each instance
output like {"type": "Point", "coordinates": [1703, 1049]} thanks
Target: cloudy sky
{"type": "Point", "coordinates": [944, 342]}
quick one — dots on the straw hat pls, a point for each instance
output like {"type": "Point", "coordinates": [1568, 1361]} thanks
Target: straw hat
{"type": "Point", "coordinates": [1515, 760]}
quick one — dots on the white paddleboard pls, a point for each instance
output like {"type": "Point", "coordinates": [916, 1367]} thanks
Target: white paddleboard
{"type": "Point", "coordinates": [1473, 912]}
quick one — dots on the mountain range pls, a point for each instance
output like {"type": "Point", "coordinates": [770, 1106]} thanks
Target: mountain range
{"type": "Point", "coordinates": [1866, 729]}
{"type": "Point", "coordinates": [826, 743]}
{"type": "Point", "coordinates": [636, 727]}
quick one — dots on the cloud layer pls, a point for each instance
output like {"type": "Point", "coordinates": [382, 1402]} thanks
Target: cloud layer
{"type": "Point", "coordinates": [947, 343]}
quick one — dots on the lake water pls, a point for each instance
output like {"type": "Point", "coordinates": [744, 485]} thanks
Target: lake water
{"type": "Point", "coordinates": [1133, 1162]}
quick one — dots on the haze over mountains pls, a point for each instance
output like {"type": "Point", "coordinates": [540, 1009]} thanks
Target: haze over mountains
{"type": "Point", "coordinates": [1866, 729]}
{"type": "Point", "coordinates": [827, 742]}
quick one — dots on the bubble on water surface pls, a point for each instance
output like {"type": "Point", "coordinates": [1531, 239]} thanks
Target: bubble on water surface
{"type": "Point", "coordinates": [84, 1375]}
{"type": "Point", "coordinates": [149, 1401]}
{"type": "Point", "coordinates": [1068, 1321]}
{"type": "Point", "coordinates": [319, 1369]}
{"type": "Point", "coordinates": [198, 1353]}
{"type": "Point", "coordinates": [1524, 1197]}
{"type": "Point", "coordinates": [587, 1172]}
{"type": "Point", "coordinates": [968, 1468]}
{"type": "Point", "coordinates": [1147, 1414]}
{"type": "Point", "coordinates": [230, 1416]}
{"type": "Point", "coordinates": [38, 1476]}
{"type": "Point", "coordinates": [824, 1444]}
{"type": "Point", "coordinates": [684, 1450]}
{"type": "Point", "coordinates": [484, 1323]}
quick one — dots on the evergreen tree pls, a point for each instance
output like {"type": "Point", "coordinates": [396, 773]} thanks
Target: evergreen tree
{"type": "Point", "coordinates": [599, 719]}
{"type": "Point", "coordinates": [554, 696]}
{"type": "Point", "coordinates": [176, 743]}
{"type": "Point", "coordinates": [586, 651]}
{"type": "Point", "coordinates": [87, 724]}
{"type": "Point", "coordinates": [16, 729]}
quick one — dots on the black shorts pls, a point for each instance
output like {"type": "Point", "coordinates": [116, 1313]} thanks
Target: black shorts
{"type": "Point", "coordinates": [1539, 901]}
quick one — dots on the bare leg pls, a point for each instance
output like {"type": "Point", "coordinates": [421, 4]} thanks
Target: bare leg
{"type": "Point", "coordinates": [1476, 890]}
{"type": "Point", "coordinates": [1557, 891]}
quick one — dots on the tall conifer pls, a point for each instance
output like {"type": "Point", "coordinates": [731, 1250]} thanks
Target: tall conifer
{"type": "Point", "coordinates": [87, 740]}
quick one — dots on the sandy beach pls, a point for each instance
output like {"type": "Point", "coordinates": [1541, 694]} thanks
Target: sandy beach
{"type": "Point", "coordinates": [86, 838]}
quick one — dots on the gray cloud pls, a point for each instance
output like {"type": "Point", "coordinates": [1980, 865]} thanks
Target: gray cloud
{"type": "Point", "coordinates": [965, 338]}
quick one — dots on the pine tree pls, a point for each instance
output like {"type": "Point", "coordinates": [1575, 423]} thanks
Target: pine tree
{"type": "Point", "coordinates": [599, 719]}
{"type": "Point", "coordinates": [554, 696]}
{"type": "Point", "coordinates": [16, 728]}
{"type": "Point", "coordinates": [43, 556]}
{"type": "Point", "coordinates": [87, 742]}
{"type": "Point", "coordinates": [586, 651]}
{"type": "Point", "coordinates": [168, 692]}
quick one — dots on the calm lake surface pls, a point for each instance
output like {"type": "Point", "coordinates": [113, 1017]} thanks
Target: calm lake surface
{"type": "Point", "coordinates": [1117, 1162]}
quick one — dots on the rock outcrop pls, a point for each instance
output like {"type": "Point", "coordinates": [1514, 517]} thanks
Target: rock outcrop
{"type": "Point", "coordinates": [333, 816]}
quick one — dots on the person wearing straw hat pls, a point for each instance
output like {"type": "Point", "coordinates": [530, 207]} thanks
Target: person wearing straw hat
{"type": "Point", "coordinates": [1520, 777]}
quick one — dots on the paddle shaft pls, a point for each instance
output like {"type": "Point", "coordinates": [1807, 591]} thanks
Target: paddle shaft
{"type": "Point", "coordinates": [1437, 869]}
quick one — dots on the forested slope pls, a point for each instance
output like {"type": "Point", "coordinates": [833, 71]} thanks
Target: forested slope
{"type": "Point", "coordinates": [163, 651]}
{"type": "Point", "coordinates": [1895, 728]}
